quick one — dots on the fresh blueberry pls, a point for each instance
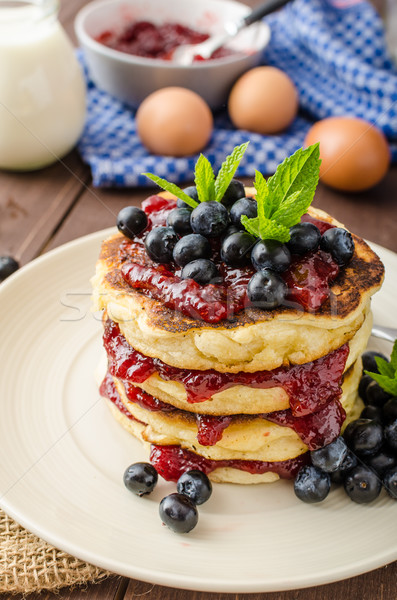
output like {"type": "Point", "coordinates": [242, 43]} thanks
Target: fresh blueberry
{"type": "Point", "coordinates": [270, 254]}
{"type": "Point", "coordinates": [390, 410]}
{"type": "Point", "coordinates": [390, 482]}
{"type": "Point", "coordinates": [339, 243]}
{"type": "Point", "coordinates": [179, 220]}
{"type": "Point", "coordinates": [140, 478]}
{"type": "Point", "coordinates": [348, 463]}
{"type": "Point", "coordinates": [229, 230]}
{"type": "Point", "coordinates": [266, 290]}
{"type": "Point", "coordinates": [391, 436]}
{"type": "Point", "coordinates": [234, 192]}
{"type": "Point", "coordinates": [329, 458]}
{"type": "Point", "coordinates": [202, 270]}
{"type": "Point", "coordinates": [190, 191]}
{"type": "Point", "coordinates": [372, 412]}
{"type": "Point", "coordinates": [312, 484]}
{"type": "Point", "coordinates": [362, 387]}
{"type": "Point", "coordinates": [195, 485]}
{"type": "Point", "coordinates": [178, 512]}
{"type": "Point", "coordinates": [381, 462]}
{"type": "Point", "coordinates": [376, 395]}
{"type": "Point", "coordinates": [209, 219]}
{"type": "Point", "coordinates": [236, 249]}
{"type": "Point", "coordinates": [362, 484]}
{"type": "Point", "coordinates": [305, 237]}
{"type": "Point", "coordinates": [364, 437]}
{"type": "Point", "coordinates": [244, 206]}
{"type": "Point", "coordinates": [369, 362]}
{"type": "Point", "coordinates": [131, 221]}
{"type": "Point", "coordinates": [8, 266]}
{"type": "Point", "coordinates": [160, 243]}
{"type": "Point", "coordinates": [191, 247]}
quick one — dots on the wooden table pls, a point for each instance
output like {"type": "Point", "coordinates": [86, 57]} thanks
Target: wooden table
{"type": "Point", "coordinates": [42, 210]}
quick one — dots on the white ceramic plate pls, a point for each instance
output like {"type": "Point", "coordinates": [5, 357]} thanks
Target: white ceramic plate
{"type": "Point", "coordinates": [62, 457]}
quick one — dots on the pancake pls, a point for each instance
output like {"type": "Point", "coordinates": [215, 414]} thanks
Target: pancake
{"type": "Point", "coordinates": [253, 339]}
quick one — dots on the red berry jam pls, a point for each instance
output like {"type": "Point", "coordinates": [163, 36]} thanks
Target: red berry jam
{"type": "Point", "coordinates": [146, 39]}
{"type": "Point", "coordinates": [309, 386]}
{"type": "Point", "coordinates": [108, 390]}
{"type": "Point", "coordinates": [172, 461]}
{"type": "Point", "coordinates": [308, 277]}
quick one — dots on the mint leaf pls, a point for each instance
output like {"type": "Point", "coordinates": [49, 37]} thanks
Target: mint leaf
{"type": "Point", "coordinates": [172, 188]}
{"type": "Point", "coordinates": [204, 179]}
{"type": "Point", "coordinates": [387, 383]}
{"type": "Point", "coordinates": [387, 376]}
{"type": "Point", "coordinates": [227, 170]}
{"type": "Point", "coordinates": [251, 225]}
{"type": "Point", "coordinates": [266, 229]}
{"type": "Point", "coordinates": [384, 367]}
{"type": "Point", "coordinates": [393, 357]}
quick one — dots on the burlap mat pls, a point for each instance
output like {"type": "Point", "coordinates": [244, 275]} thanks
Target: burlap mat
{"type": "Point", "coordinates": [28, 564]}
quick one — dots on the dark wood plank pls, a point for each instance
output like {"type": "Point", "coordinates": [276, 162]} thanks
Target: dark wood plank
{"type": "Point", "coordinates": [110, 589]}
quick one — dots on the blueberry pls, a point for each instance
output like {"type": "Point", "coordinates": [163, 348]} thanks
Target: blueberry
{"type": "Point", "coordinates": [179, 220]}
{"type": "Point", "coordinates": [234, 192]}
{"type": "Point", "coordinates": [209, 219]}
{"type": "Point", "coordinates": [329, 458]}
{"type": "Point", "coordinates": [229, 230]}
{"type": "Point", "coordinates": [195, 485]}
{"type": "Point", "coordinates": [270, 254]}
{"type": "Point", "coordinates": [390, 482]}
{"type": "Point", "coordinates": [339, 243]}
{"type": "Point", "coordinates": [372, 412]}
{"type": "Point", "coordinates": [369, 362]}
{"type": "Point", "coordinates": [236, 249]}
{"type": "Point", "coordinates": [266, 289]}
{"type": "Point", "coordinates": [348, 463]}
{"type": "Point", "coordinates": [390, 410]}
{"type": "Point", "coordinates": [305, 237]}
{"type": "Point", "coordinates": [160, 243]}
{"type": "Point", "coordinates": [190, 191]}
{"type": "Point", "coordinates": [362, 387]}
{"type": "Point", "coordinates": [131, 221]}
{"type": "Point", "coordinates": [202, 270]}
{"type": "Point", "coordinates": [191, 247]}
{"type": "Point", "coordinates": [8, 266]}
{"type": "Point", "coordinates": [178, 512]}
{"type": "Point", "coordinates": [376, 395]}
{"type": "Point", "coordinates": [381, 462]}
{"type": "Point", "coordinates": [140, 478]}
{"type": "Point", "coordinates": [362, 484]}
{"type": "Point", "coordinates": [312, 484]}
{"type": "Point", "coordinates": [244, 206]}
{"type": "Point", "coordinates": [391, 436]}
{"type": "Point", "coordinates": [365, 437]}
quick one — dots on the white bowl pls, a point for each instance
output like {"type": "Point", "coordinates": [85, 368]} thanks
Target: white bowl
{"type": "Point", "coordinates": [131, 78]}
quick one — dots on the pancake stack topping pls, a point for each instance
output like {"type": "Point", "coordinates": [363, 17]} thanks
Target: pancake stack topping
{"type": "Point", "coordinates": [234, 321]}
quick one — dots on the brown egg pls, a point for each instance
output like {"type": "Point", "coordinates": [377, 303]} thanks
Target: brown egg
{"type": "Point", "coordinates": [263, 100]}
{"type": "Point", "coordinates": [174, 121]}
{"type": "Point", "coordinates": [355, 154]}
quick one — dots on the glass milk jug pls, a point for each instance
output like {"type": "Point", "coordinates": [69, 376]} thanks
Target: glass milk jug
{"type": "Point", "coordinates": [42, 91]}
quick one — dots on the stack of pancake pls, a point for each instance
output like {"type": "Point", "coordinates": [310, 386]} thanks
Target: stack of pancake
{"type": "Point", "coordinates": [243, 399]}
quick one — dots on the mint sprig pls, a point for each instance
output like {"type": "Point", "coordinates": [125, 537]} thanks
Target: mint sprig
{"type": "Point", "coordinates": [286, 196]}
{"type": "Point", "coordinates": [208, 187]}
{"type": "Point", "coordinates": [387, 376]}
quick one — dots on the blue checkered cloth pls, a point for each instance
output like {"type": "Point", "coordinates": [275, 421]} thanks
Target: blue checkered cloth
{"type": "Point", "coordinates": [334, 51]}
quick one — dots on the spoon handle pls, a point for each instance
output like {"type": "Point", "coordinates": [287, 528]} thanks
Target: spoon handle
{"type": "Point", "coordinates": [384, 333]}
{"type": "Point", "coordinates": [263, 9]}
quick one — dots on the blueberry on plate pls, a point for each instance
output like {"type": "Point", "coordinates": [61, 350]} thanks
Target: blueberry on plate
{"type": "Point", "coordinates": [140, 478]}
{"type": "Point", "coordinates": [376, 395]}
{"type": "Point", "coordinates": [350, 461]}
{"type": "Point", "coordinates": [236, 248]}
{"type": "Point", "coordinates": [362, 484]}
{"type": "Point", "coordinates": [362, 387]}
{"type": "Point", "coordinates": [8, 266]}
{"type": "Point", "coordinates": [266, 290]}
{"type": "Point", "coordinates": [179, 220]}
{"type": "Point", "coordinates": [131, 221]}
{"type": "Point", "coordinates": [389, 410]}
{"type": "Point", "coordinates": [234, 191]}
{"type": "Point", "coordinates": [369, 362]}
{"type": "Point", "coordinates": [191, 247]}
{"type": "Point", "coordinates": [382, 462]}
{"type": "Point", "coordinates": [209, 219]}
{"type": "Point", "coordinates": [391, 436]}
{"type": "Point", "coordinates": [202, 270]}
{"type": "Point", "coordinates": [390, 482]}
{"type": "Point", "coordinates": [372, 412]}
{"type": "Point", "coordinates": [244, 206]}
{"type": "Point", "coordinates": [190, 191]}
{"type": "Point", "coordinates": [339, 243]}
{"type": "Point", "coordinates": [160, 243]}
{"type": "Point", "coordinates": [311, 484]}
{"type": "Point", "coordinates": [365, 437]}
{"type": "Point", "coordinates": [195, 485]}
{"type": "Point", "coordinates": [305, 237]}
{"type": "Point", "coordinates": [330, 458]}
{"type": "Point", "coordinates": [270, 254]}
{"type": "Point", "coordinates": [178, 512]}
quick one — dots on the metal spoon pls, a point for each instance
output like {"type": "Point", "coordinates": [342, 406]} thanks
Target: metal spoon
{"type": "Point", "coordinates": [384, 333]}
{"type": "Point", "coordinates": [184, 55]}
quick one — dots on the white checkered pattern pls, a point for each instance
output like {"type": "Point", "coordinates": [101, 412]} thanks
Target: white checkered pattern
{"type": "Point", "coordinates": [334, 51]}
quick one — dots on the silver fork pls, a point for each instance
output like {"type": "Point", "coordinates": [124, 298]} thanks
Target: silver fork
{"type": "Point", "coordinates": [384, 333]}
